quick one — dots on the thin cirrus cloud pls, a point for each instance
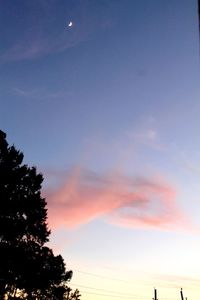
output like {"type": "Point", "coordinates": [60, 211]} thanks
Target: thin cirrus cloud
{"type": "Point", "coordinates": [40, 94]}
{"type": "Point", "coordinates": [47, 32]}
{"type": "Point", "coordinates": [120, 200]}
{"type": "Point", "coordinates": [35, 47]}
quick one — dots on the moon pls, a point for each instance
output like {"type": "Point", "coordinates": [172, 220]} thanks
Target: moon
{"type": "Point", "coordinates": [70, 24]}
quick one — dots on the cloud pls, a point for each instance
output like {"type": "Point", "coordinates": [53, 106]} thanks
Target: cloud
{"type": "Point", "coordinates": [43, 29]}
{"type": "Point", "coordinates": [146, 137]}
{"type": "Point", "coordinates": [35, 47]}
{"type": "Point", "coordinates": [133, 202]}
{"type": "Point", "coordinates": [40, 94]}
{"type": "Point", "coordinates": [45, 32]}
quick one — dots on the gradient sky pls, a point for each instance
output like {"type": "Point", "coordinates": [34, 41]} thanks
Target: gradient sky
{"type": "Point", "coordinates": [108, 110]}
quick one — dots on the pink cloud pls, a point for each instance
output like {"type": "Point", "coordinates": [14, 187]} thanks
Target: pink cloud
{"type": "Point", "coordinates": [121, 200]}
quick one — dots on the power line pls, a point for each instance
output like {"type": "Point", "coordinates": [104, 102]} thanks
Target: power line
{"type": "Point", "coordinates": [139, 282]}
{"type": "Point", "coordinates": [127, 295]}
{"type": "Point", "coordinates": [128, 282]}
{"type": "Point", "coordinates": [108, 295]}
{"type": "Point", "coordinates": [104, 277]}
{"type": "Point", "coordinates": [115, 296]}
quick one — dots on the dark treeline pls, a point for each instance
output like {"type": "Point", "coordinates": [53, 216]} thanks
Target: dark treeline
{"type": "Point", "coordinates": [28, 268]}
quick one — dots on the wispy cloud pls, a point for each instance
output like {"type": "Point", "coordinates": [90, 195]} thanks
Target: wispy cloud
{"type": "Point", "coordinates": [47, 32]}
{"type": "Point", "coordinates": [35, 47]}
{"type": "Point", "coordinates": [145, 135]}
{"type": "Point", "coordinates": [148, 137]}
{"type": "Point", "coordinates": [40, 94]}
{"type": "Point", "coordinates": [133, 202]}
{"type": "Point", "coordinates": [124, 149]}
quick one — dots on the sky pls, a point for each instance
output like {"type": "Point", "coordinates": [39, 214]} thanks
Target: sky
{"type": "Point", "coordinates": [103, 97]}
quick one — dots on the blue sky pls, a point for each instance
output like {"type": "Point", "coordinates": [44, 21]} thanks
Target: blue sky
{"type": "Point", "coordinates": [108, 110]}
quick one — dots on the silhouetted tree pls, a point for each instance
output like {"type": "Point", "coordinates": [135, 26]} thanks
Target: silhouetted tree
{"type": "Point", "coordinates": [28, 269]}
{"type": "Point", "coordinates": [66, 293]}
{"type": "Point", "coordinates": [75, 295]}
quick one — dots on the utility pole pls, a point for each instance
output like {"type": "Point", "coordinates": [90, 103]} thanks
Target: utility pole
{"type": "Point", "coordinates": [155, 294]}
{"type": "Point", "coordinates": [182, 298]}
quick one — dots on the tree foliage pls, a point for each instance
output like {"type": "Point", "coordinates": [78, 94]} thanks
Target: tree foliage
{"type": "Point", "coordinates": [28, 268]}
